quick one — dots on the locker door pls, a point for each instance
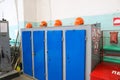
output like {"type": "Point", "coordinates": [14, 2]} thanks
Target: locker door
{"type": "Point", "coordinates": [54, 46]}
{"type": "Point", "coordinates": [27, 52]}
{"type": "Point", "coordinates": [39, 57]}
{"type": "Point", "coordinates": [75, 54]}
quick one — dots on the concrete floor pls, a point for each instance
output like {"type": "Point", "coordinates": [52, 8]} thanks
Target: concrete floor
{"type": "Point", "coordinates": [22, 77]}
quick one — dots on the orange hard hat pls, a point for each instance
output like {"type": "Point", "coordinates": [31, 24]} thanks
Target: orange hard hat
{"type": "Point", "coordinates": [58, 23]}
{"type": "Point", "coordinates": [79, 21]}
{"type": "Point", "coordinates": [28, 25]}
{"type": "Point", "coordinates": [43, 24]}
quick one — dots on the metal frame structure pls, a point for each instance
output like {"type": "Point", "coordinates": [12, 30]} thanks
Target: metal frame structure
{"type": "Point", "coordinates": [90, 56]}
{"type": "Point", "coordinates": [5, 61]}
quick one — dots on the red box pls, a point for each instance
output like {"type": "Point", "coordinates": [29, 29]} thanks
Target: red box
{"type": "Point", "coordinates": [106, 71]}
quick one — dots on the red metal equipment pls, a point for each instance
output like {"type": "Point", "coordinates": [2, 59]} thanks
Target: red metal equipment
{"type": "Point", "coordinates": [106, 71]}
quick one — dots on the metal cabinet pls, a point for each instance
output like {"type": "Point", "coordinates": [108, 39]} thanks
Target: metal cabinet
{"type": "Point", "coordinates": [60, 53]}
{"type": "Point", "coordinates": [34, 43]}
{"type": "Point", "coordinates": [33, 50]}
{"type": "Point", "coordinates": [39, 56]}
{"type": "Point", "coordinates": [75, 54]}
{"type": "Point", "coordinates": [5, 52]}
{"type": "Point", "coordinates": [54, 47]}
{"type": "Point", "coordinates": [27, 52]}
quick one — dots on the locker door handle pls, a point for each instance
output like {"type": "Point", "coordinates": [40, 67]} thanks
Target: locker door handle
{"type": "Point", "coordinates": [34, 54]}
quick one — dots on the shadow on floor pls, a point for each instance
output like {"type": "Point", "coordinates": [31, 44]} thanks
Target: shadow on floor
{"type": "Point", "coordinates": [22, 77]}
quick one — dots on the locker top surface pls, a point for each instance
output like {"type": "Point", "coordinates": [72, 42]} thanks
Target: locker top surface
{"type": "Point", "coordinates": [81, 27]}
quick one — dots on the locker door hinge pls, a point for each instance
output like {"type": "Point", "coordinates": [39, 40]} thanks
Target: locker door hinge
{"type": "Point", "coordinates": [62, 38]}
{"type": "Point", "coordinates": [33, 53]}
{"type": "Point", "coordinates": [45, 75]}
{"type": "Point", "coordinates": [86, 38]}
{"type": "Point", "coordinates": [44, 40]}
{"type": "Point", "coordinates": [30, 38]}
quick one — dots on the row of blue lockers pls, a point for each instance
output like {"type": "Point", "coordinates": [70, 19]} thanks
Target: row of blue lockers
{"type": "Point", "coordinates": [44, 51]}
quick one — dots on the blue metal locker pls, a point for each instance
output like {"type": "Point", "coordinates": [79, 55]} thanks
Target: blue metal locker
{"type": "Point", "coordinates": [27, 52]}
{"type": "Point", "coordinates": [39, 56]}
{"type": "Point", "coordinates": [75, 54]}
{"type": "Point", "coordinates": [54, 46]}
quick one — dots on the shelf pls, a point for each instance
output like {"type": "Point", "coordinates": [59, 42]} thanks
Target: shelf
{"type": "Point", "coordinates": [111, 48]}
{"type": "Point", "coordinates": [111, 59]}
